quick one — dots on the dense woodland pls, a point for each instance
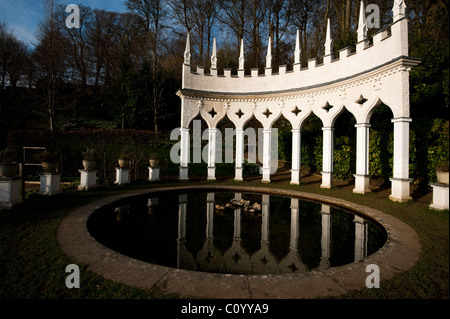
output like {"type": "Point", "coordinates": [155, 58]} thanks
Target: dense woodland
{"type": "Point", "coordinates": [121, 70]}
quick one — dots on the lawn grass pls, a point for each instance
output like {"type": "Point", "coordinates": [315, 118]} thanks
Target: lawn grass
{"type": "Point", "coordinates": [33, 265]}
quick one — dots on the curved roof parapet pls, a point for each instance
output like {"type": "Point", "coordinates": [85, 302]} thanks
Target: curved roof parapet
{"type": "Point", "coordinates": [387, 48]}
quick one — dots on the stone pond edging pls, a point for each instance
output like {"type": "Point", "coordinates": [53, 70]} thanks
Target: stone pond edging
{"type": "Point", "coordinates": [400, 252]}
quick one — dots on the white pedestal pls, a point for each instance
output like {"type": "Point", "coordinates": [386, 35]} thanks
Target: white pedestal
{"type": "Point", "coordinates": [153, 174]}
{"type": "Point", "coordinates": [122, 175]}
{"type": "Point", "coordinates": [238, 174]}
{"type": "Point", "coordinates": [10, 191]}
{"type": "Point", "coordinates": [440, 197]}
{"type": "Point", "coordinates": [183, 173]}
{"type": "Point", "coordinates": [88, 179]}
{"type": "Point", "coordinates": [327, 180]}
{"type": "Point", "coordinates": [295, 177]}
{"type": "Point", "coordinates": [50, 184]}
{"type": "Point", "coordinates": [400, 190]}
{"type": "Point", "coordinates": [362, 183]}
{"type": "Point", "coordinates": [211, 173]}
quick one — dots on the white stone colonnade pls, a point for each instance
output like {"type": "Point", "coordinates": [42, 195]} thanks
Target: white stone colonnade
{"type": "Point", "coordinates": [359, 82]}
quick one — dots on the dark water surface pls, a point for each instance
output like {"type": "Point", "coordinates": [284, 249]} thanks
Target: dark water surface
{"type": "Point", "coordinates": [200, 231]}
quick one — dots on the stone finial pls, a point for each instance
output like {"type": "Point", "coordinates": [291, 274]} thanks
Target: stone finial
{"type": "Point", "coordinates": [362, 27]}
{"type": "Point", "coordinates": [328, 41]}
{"type": "Point", "coordinates": [187, 51]}
{"type": "Point", "coordinates": [297, 51]}
{"type": "Point", "coordinates": [269, 54]}
{"type": "Point", "coordinates": [399, 10]}
{"type": "Point", "coordinates": [214, 56]}
{"type": "Point", "coordinates": [241, 56]}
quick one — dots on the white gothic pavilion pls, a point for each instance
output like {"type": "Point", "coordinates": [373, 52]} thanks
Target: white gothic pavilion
{"type": "Point", "coordinates": [357, 81]}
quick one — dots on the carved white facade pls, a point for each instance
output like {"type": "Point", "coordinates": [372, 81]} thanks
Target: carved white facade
{"type": "Point", "coordinates": [358, 81]}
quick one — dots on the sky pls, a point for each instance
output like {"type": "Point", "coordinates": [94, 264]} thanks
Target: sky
{"type": "Point", "coordinates": [22, 16]}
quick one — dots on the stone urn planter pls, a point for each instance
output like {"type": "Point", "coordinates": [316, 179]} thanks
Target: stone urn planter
{"type": "Point", "coordinates": [50, 167]}
{"type": "Point", "coordinates": [442, 177]}
{"type": "Point", "coordinates": [442, 174]}
{"type": "Point", "coordinates": [8, 169]}
{"type": "Point", "coordinates": [124, 163]}
{"type": "Point", "coordinates": [154, 162]}
{"type": "Point", "coordinates": [89, 165]}
{"type": "Point", "coordinates": [89, 157]}
{"type": "Point", "coordinates": [8, 163]}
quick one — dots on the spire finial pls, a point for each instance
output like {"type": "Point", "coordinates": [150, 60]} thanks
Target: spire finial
{"type": "Point", "coordinates": [297, 51]}
{"type": "Point", "coordinates": [241, 56]}
{"type": "Point", "coordinates": [362, 27]}
{"type": "Point", "coordinates": [214, 56]}
{"type": "Point", "coordinates": [187, 51]}
{"type": "Point", "coordinates": [328, 41]}
{"type": "Point", "coordinates": [269, 54]}
{"type": "Point", "coordinates": [399, 10]}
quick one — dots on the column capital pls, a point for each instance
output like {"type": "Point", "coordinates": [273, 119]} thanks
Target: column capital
{"type": "Point", "coordinates": [401, 119]}
{"type": "Point", "coordinates": [296, 130]}
{"type": "Point", "coordinates": [363, 125]}
{"type": "Point", "coordinates": [328, 128]}
{"type": "Point", "coordinates": [184, 129]}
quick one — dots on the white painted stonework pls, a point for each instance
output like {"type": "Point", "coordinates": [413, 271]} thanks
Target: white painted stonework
{"type": "Point", "coordinates": [358, 81]}
{"type": "Point", "coordinates": [10, 191]}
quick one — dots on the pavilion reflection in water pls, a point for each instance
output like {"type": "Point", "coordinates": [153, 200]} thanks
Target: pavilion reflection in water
{"type": "Point", "coordinates": [237, 260]}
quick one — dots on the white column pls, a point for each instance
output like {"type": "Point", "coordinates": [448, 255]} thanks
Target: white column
{"type": "Point", "coordinates": [296, 157]}
{"type": "Point", "coordinates": [360, 238]}
{"type": "Point", "coordinates": [267, 137]}
{"type": "Point", "coordinates": [265, 219]}
{"type": "Point", "coordinates": [362, 178]}
{"type": "Point", "coordinates": [327, 164]}
{"type": "Point", "coordinates": [184, 154]}
{"type": "Point", "coordinates": [400, 182]}
{"type": "Point", "coordinates": [239, 155]}
{"type": "Point", "coordinates": [212, 134]}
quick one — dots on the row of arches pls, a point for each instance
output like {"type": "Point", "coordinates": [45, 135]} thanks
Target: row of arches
{"type": "Point", "coordinates": [296, 111]}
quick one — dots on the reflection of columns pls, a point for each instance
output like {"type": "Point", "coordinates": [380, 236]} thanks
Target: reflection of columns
{"type": "Point", "coordinates": [265, 210]}
{"type": "Point", "coordinates": [267, 140]}
{"type": "Point", "coordinates": [209, 215]}
{"type": "Point", "coordinates": [327, 164]}
{"type": "Point", "coordinates": [239, 154]}
{"type": "Point", "coordinates": [184, 258]}
{"type": "Point", "coordinates": [212, 134]}
{"type": "Point", "coordinates": [294, 224]}
{"type": "Point", "coordinates": [325, 241]}
{"type": "Point", "coordinates": [209, 258]}
{"type": "Point", "coordinates": [263, 262]}
{"type": "Point", "coordinates": [296, 156]}
{"type": "Point", "coordinates": [182, 208]}
{"type": "Point", "coordinates": [237, 224]}
{"type": "Point", "coordinates": [292, 263]}
{"type": "Point", "coordinates": [184, 154]}
{"type": "Point", "coordinates": [360, 238]}
{"type": "Point", "coordinates": [400, 191]}
{"type": "Point", "coordinates": [362, 177]}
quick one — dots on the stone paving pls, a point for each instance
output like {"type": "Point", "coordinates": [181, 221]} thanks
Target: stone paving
{"type": "Point", "coordinates": [400, 253]}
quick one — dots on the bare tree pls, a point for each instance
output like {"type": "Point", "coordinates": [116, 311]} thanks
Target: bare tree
{"type": "Point", "coordinates": [150, 14]}
{"type": "Point", "coordinates": [50, 57]}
